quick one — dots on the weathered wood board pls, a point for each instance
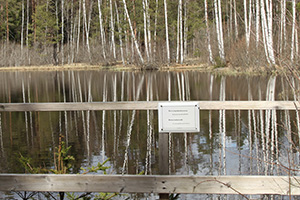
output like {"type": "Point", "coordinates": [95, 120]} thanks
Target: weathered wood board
{"type": "Point", "coordinates": [148, 105]}
{"type": "Point", "coordinates": [281, 185]}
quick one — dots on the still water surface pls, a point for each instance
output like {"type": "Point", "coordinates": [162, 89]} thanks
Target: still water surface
{"type": "Point", "coordinates": [231, 142]}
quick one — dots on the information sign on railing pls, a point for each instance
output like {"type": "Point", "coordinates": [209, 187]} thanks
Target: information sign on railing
{"type": "Point", "coordinates": [178, 117]}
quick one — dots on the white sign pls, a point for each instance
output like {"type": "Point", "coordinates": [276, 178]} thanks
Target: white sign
{"type": "Point", "coordinates": [178, 117]}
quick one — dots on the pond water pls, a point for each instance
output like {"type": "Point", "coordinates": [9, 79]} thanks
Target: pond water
{"type": "Point", "coordinates": [229, 142]}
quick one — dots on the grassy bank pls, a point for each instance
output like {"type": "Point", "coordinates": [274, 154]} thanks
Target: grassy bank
{"type": "Point", "coordinates": [226, 70]}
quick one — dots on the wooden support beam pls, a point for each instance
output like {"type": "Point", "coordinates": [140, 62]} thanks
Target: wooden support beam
{"type": "Point", "coordinates": [280, 185]}
{"type": "Point", "coordinates": [151, 105]}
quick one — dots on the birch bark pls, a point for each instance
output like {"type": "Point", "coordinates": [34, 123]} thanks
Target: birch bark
{"type": "Point", "coordinates": [181, 31]}
{"type": "Point", "coordinates": [235, 20]}
{"type": "Point", "coordinates": [149, 30]}
{"type": "Point", "coordinates": [247, 22]}
{"type": "Point", "coordinates": [120, 33]}
{"type": "Point", "coordinates": [178, 37]}
{"type": "Point", "coordinates": [22, 29]}
{"type": "Point", "coordinates": [102, 35]}
{"type": "Point", "coordinates": [155, 30]}
{"type": "Point", "coordinates": [293, 31]}
{"type": "Point", "coordinates": [62, 32]}
{"type": "Point", "coordinates": [145, 31]}
{"type": "Point", "coordinates": [257, 19]}
{"type": "Point", "coordinates": [132, 33]}
{"type": "Point", "coordinates": [78, 30]}
{"type": "Point", "coordinates": [167, 31]}
{"type": "Point", "coordinates": [185, 30]}
{"type": "Point", "coordinates": [112, 26]}
{"type": "Point", "coordinates": [208, 34]}
{"type": "Point", "coordinates": [86, 29]}
{"type": "Point", "coordinates": [219, 31]}
{"type": "Point", "coordinates": [267, 25]}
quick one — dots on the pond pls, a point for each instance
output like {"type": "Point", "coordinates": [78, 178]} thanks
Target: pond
{"type": "Point", "coordinates": [229, 143]}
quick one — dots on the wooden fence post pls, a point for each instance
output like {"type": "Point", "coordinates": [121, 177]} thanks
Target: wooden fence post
{"type": "Point", "coordinates": [163, 145]}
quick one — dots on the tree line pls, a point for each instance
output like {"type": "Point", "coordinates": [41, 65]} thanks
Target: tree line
{"type": "Point", "coordinates": [229, 32]}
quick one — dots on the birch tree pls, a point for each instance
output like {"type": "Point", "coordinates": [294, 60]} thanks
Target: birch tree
{"type": "Point", "coordinates": [257, 24]}
{"type": "Point", "coordinates": [293, 30]}
{"type": "Point", "coordinates": [120, 33]}
{"type": "Point", "coordinates": [145, 30]}
{"type": "Point", "coordinates": [185, 34]}
{"type": "Point", "coordinates": [179, 34]}
{"type": "Point", "coordinates": [167, 31]}
{"type": "Point", "coordinates": [219, 28]}
{"type": "Point", "coordinates": [132, 33]}
{"type": "Point", "coordinates": [102, 35]}
{"type": "Point", "coordinates": [62, 32]}
{"type": "Point", "coordinates": [22, 29]}
{"type": "Point", "coordinates": [155, 29]}
{"type": "Point", "coordinates": [235, 20]}
{"type": "Point", "coordinates": [112, 28]}
{"type": "Point", "coordinates": [86, 29]}
{"type": "Point", "coordinates": [267, 25]}
{"type": "Point", "coordinates": [208, 33]}
{"type": "Point", "coordinates": [181, 31]}
{"type": "Point", "coordinates": [282, 26]}
{"type": "Point", "coordinates": [148, 27]}
{"type": "Point", "coordinates": [78, 26]}
{"type": "Point", "coordinates": [247, 25]}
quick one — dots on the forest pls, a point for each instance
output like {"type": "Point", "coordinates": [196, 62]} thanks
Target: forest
{"type": "Point", "coordinates": [246, 33]}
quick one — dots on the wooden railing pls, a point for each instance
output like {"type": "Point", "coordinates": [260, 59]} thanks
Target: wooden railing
{"type": "Point", "coordinates": [281, 185]}
{"type": "Point", "coordinates": [148, 105]}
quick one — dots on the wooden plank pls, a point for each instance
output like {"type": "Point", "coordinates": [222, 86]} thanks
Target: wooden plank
{"type": "Point", "coordinates": [144, 105]}
{"type": "Point", "coordinates": [281, 185]}
{"type": "Point", "coordinates": [163, 145]}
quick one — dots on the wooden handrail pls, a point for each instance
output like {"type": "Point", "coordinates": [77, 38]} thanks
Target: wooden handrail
{"type": "Point", "coordinates": [148, 105]}
{"type": "Point", "coordinates": [280, 185]}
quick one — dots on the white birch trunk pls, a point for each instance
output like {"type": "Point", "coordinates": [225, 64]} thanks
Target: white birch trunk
{"type": "Point", "coordinates": [221, 32]}
{"type": "Point", "coordinates": [90, 14]}
{"type": "Point", "coordinates": [296, 43]}
{"type": "Point", "coordinates": [218, 16]}
{"type": "Point", "coordinates": [185, 30]}
{"type": "Point", "coordinates": [208, 33]}
{"type": "Point", "coordinates": [282, 26]}
{"type": "Point", "coordinates": [27, 27]}
{"type": "Point", "coordinates": [181, 31]}
{"type": "Point", "coordinates": [86, 29]}
{"type": "Point", "coordinates": [148, 27]}
{"type": "Point", "coordinates": [62, 32]}
{"type": "Point", "coordinates": [22, 29]}
{"type": "Point", "coordinates": [167, 31]}
{"type": "Point", "coordinates": [230, 17]}
{"type": "Point", "coordinates": [102, 34]}
{"type": "Point", "coordinates": [235, 20]}
{"type": "Point", "coordinates": [78, 30]}
{"type": "Point", "coordinates": [120, 34]}
{"type": "Point", "coordinates": [178, 37]}
{"type": "Point", "coordinates": [257, 18]}
{"type": "Point", "coordinates": [269, 35]}
{"type": "Point", "coordinates": [112, 26]}
{"type": "Point", "coordinates": [145, 31]}
{"type": "Point", "coordinates": [132, 33]}
{"type": "Point", "coordinates": [270, 19]}
{"type": "Point", "coordinates": [71, 32]}
{"type": "Point", "coordinates": [293, 31]}
{"type": "Point", "coordinates": [247, 22]}
{"type": "Point", "coordinates": [155, 30]}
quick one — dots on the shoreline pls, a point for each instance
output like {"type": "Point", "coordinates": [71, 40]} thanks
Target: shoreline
{"type": "Point", "coordinates": [173, 67]}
